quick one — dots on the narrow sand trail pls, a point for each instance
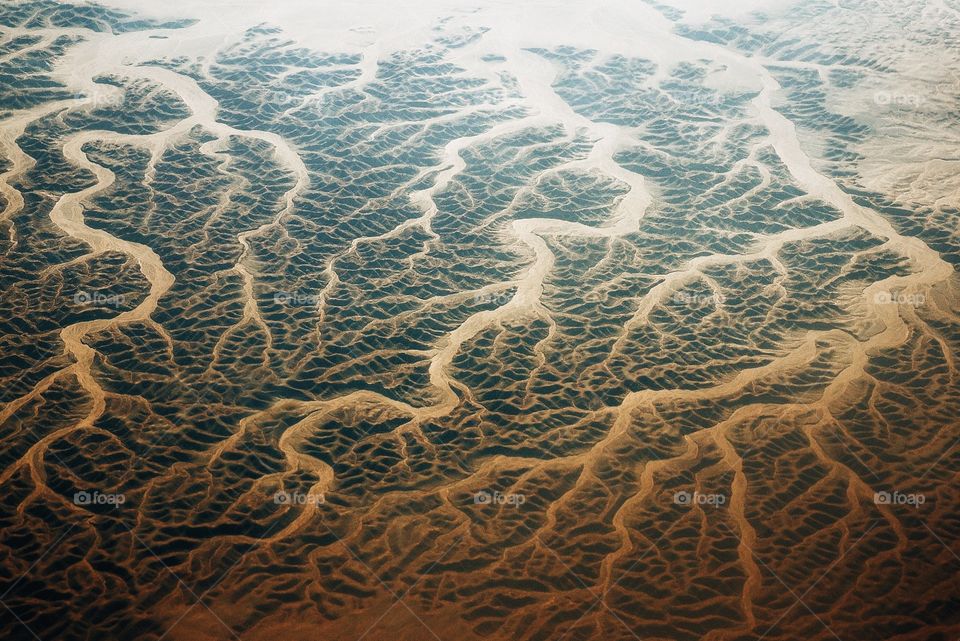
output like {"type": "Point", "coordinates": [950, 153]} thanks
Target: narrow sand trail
{"type": "Point", "coordinates": [10, 130]}
{"type": "Point", "coordinates": [928, 270]}
{"type": "Point", "coordinates": [105, 54]}
{"type": "Point", "coordinates": [535, 76]}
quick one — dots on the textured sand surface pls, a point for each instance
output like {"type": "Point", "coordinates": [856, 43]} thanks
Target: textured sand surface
{"type": "Point", "coordinates": [522, 321]}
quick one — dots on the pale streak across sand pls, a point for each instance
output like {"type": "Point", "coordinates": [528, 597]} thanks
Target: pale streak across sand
{"type": "Point", "coordinates": [105, 54]}
{"type": "Point", "coordinates": [929, 269]}
{"type": "Point", "coordinates": [545, 108]}
{"type": "Point", "coordinates": [10, 130]}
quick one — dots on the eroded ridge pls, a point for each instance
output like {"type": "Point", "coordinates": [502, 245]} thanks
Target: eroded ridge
{"type": "Point", "coordinates": [477, 339]}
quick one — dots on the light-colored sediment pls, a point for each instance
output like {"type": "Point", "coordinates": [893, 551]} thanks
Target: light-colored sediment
{"type": "Point", "coordinates": [106, 54]}
{"type": "Point", "coordinates": [543, 107]}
